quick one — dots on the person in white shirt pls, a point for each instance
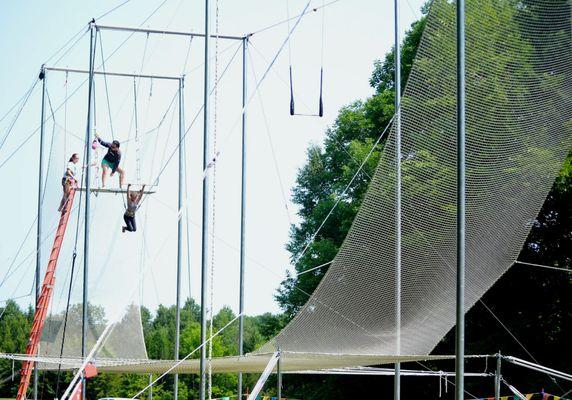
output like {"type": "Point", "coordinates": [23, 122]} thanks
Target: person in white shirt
{"type": "Point", "coordinates": [69, 179]}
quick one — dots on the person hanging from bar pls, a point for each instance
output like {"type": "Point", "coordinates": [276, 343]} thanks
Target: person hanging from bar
{"type": "Point", "coordinates": [111, 161]}
{"type": "Point", "coordinates": [133, 200]}
{"type": "Point", "coordinates": [69, 180]}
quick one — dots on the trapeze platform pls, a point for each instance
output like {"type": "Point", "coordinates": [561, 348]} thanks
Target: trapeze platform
{"type": "Point", "coordinates": [115, 190]}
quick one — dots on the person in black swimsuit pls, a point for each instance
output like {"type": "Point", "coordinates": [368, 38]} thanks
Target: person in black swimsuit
{"type": "Point", "coordinates": [133, 200]}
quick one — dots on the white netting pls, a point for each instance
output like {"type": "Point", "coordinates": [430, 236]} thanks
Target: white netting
{"type": "Point", "coordinates": [519, 110]}
{"type": "Point", "coordinates": [519, 113]}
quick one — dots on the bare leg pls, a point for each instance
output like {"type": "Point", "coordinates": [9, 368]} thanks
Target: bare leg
{"type": "Point", "coordinates": [121, 176]}
{"type": "Point", "coordinates": [104, 175]}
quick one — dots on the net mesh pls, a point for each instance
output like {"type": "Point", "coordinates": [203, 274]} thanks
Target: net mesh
{"type": "Point", "coordinates": [519, 111]}
{"type": "Point", "coordinates": [518, 126]}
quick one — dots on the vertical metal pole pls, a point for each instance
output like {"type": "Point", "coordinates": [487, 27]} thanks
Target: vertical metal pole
{"type": "Point", "coordinates": [498, 377]}
{"type": "Point", "coordinates": [179, 238]}
{"type": "Point", "coordinates": [87, 197]}
{"type": "Point", "coordinates": [205, 218]}
{"type": "Point", "coordinates": [279, 377]}
{"type": "Point", "coordinates": [40, 201]}
{"type": "Point", "coordinates": [397, 375]}
{"type": "Point", "coordinates": [150, 395]}
{"type": "Point", "coordinates": [460, 331]}
{"type": "Point", "coordinates": [242, 218]}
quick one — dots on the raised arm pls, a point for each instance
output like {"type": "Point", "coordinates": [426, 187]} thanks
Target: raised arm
{"type": "Point", "coordinates": [103, 143]}
{"type": "Point", "coordinates": [141, 192]}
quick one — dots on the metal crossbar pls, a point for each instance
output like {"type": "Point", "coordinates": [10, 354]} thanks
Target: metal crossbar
{"type": "Point", "coordinates": [107, 73]}
{"type": "Point", "coordinates": [165, 32]}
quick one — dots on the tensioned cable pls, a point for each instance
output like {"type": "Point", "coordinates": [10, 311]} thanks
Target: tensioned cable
{"type": "Point", "coordinates": [82, 32]}
{"type": "Point", "coordinates": [340, 197]}
{"type": "Point", "coordinates": [106, 86]}
{"type": "Point", "coordinates": [569, 270]}
{"type": "Point", "coordinates": [453, 271]}
{"type": "Point", "coordinates": [292, 18]}
{"type": "Point", "coordinates": [276, 73]}
{"type": "Point", "coordinates": [19, 100]}
{"type": "Point", "coordinates": [270, 142]}
{"type": "Point", "coordinates": [245, 107]}
{"type": "Point", "coordinates": [71, 283]}
{"type": "Point", "coordinates": [188, 129]}
{"type": "Point", "coordinates": [175, 365]}
{"type": "Point", "coordinates": [79, 86]}
{"type": "Point", "coordinates": [13, 123]}
{"type": "Point", "coordinates": [112, 10]}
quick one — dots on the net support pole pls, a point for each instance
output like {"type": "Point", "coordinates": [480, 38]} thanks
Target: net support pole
{"type": "Point", "coordinates": [460, 320]}
{"type": "Point", "coordinates": [205, 208]}
{"type": "Point", "coordinates": [179, 238]}
{"type": "Point", "coordinates": [279, 376]}
{"type": "Point", "coordinates": [242, 217]}
{"type": "Point", "coordinates": [397, 375]}
{"type": "Point", "coordinates": [87, 196]}
{"type": "Point", "coordinates": [39, 222]}
{"type": "Point", "coordinates": [498, 377]}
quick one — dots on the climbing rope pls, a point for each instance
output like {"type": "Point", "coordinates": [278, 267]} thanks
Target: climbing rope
{"type": "Point", "coordinates": [213, 216]}
{"type": "Point", "coordinates": [137, 141]}
{"type": "Point", "coordinates": [65, 122]}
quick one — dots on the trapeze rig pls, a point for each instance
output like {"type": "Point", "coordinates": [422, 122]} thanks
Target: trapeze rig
{"type": "Point", "coordinates": [95, 29]}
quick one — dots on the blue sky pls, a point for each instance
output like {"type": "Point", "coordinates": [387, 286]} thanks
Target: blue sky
{"type": "Point", "coordinates": [355, 34]}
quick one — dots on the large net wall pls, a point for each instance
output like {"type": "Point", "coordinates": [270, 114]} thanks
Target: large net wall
{"type": "Point", "coordinates": [519, 110]}
{"type": "Point", "coordinates": [519, 131]}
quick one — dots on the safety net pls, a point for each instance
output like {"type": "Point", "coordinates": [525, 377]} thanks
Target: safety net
{"type": "Point", "coordinates": [519, 110]}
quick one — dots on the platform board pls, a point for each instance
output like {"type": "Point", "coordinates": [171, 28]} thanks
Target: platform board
{"type": "Point", "coordinates": [114, 190]}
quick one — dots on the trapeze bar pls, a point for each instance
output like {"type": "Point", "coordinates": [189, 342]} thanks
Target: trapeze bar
{"type": "Point", "coordinates": [124, 74]}
{"type": "Point", "coordinates": [113, 190]}
{"type": "Point", "coordinates": [162, 32]}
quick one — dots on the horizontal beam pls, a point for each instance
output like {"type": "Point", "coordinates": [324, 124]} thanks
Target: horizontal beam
{"type": "Point", "coordinates": [384, 372]}
{"type": "Point", "coordinates": [164, 32]}
{"type": "Point", "coordinates": [107, 73]}
{"type": "Point", "coordinates": [537, 367]}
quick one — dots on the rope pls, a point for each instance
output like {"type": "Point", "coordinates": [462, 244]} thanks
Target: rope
{"type": "Point", "coordinates": [292, 18]}
{"type": "Point", "coordinates": [213, 216]}
{"type": "Point", "coordinates": [175, 365]}
{"type": "Point", "coordinates": [271, 144]}
{"type": "Point", "coordinates": [339, 199]}
{"type": "Point", "coordinates": [137, 142]}
{"type": "Point", "coordinates": [244, 108]}
{"type": "Point", "coordinates": [65, 122]}
{"type": "Point", "coordinates": [74, 255]}
{"type": "Point", "coordinates": [106, 87]}
{"type": "Point", "coordinates": [17, 116]}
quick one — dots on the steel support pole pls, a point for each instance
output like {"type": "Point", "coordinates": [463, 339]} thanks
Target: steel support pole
{"type": "Point", "coordinates": [397, 375]}
{"type": "Point", "coordinates": [179, 237]}
{"type": "Point", "coordinates": [279, 377]}
{"type": "Point", "coordinates": [242, 218]}
{"type": "Point", "coordinates": [87, 197]}
{"type": "Point", "coordinates": [205, 218]}
{"type": "Point", "coordinates": [498, 377]}
{"type": "Point", "coordinates": [460, 325]}
{"type": "Point", "coordinates": [40, 201]}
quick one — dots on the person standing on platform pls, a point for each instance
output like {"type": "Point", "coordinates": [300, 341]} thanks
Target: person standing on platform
{"type": "Point", "coordinates": [69, 180]}
{"type": "Point", "coordinates": [111, 161]}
